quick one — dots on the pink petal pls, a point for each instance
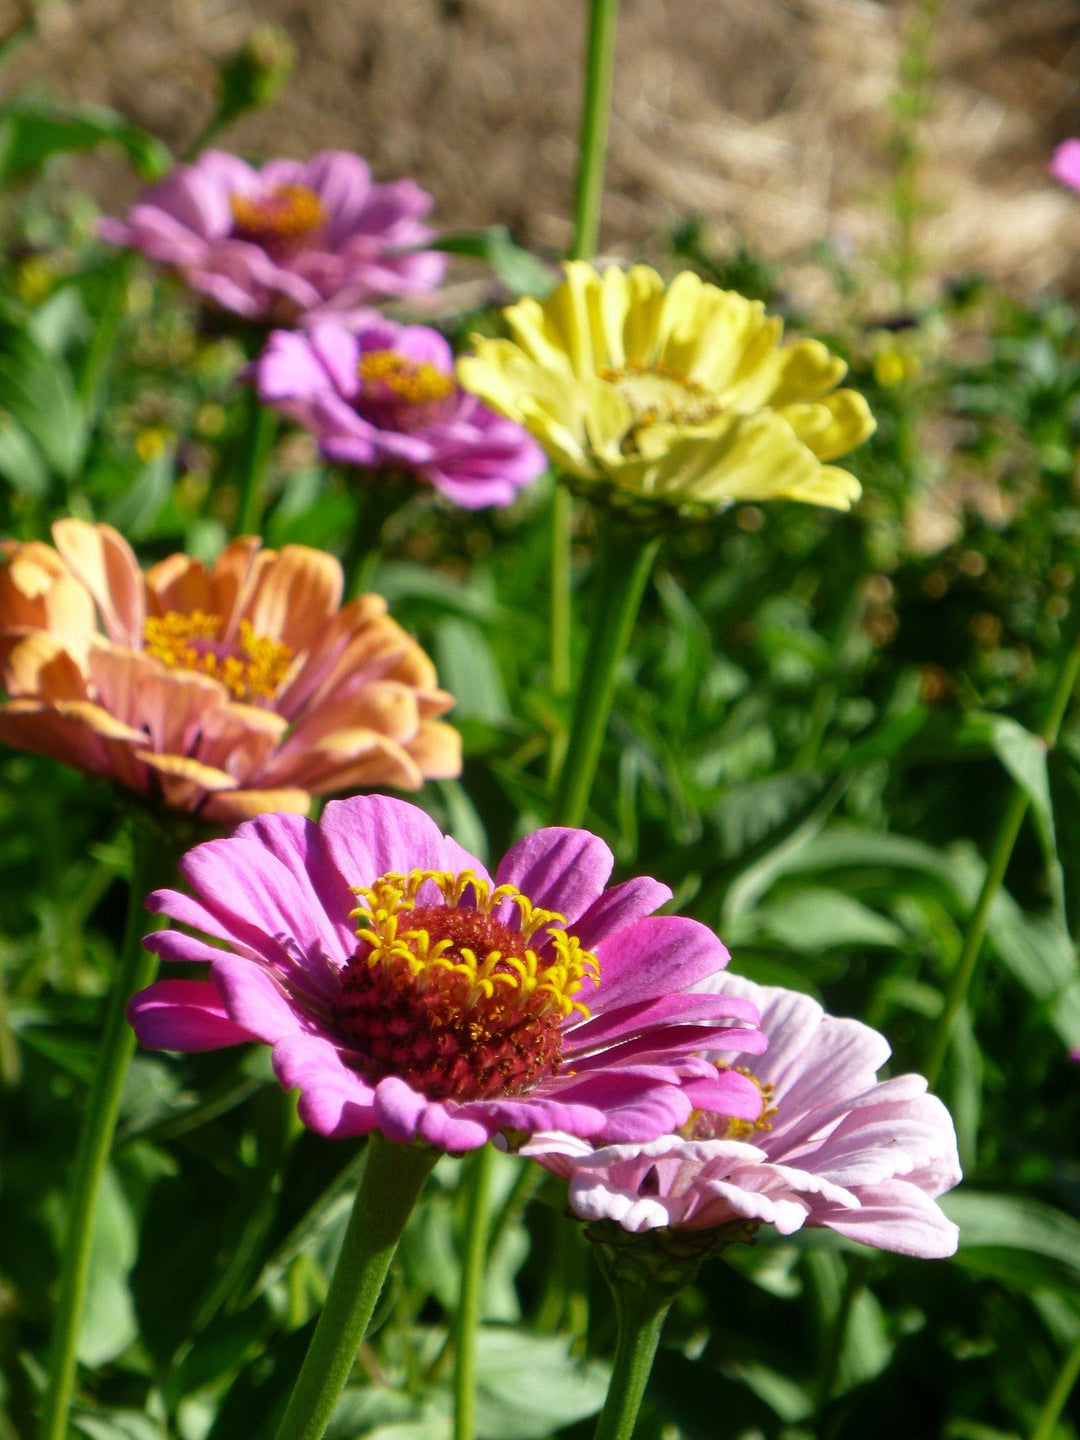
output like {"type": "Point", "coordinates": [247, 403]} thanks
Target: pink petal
{"type": "Point", "coordinates": [653, 957]}
{"type": "Point", "coordinates": [558, 869]}
{"type": "Point", "coordinates": [334, 1100]}
{"type": "Point", "coordinates": [183, 1015]}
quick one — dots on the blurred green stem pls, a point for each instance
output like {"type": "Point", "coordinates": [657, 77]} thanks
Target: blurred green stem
{"type": "Point", "coordinates": [1056, 1400]}
{"type": "Point", "coordinates": [998, 864]}
{"type": "Point", "coordinates": [390, 1185]}
{"type": "Point", "coordinates": [478, 1184]}
{"type": "Point", "coordinates": [588, 202]}
{"type": "Point", "coordinates": [257, 443]}
{"type": "Point", "coordinates": [153, 865]}
{"type": "Point", "coordinates": [592, 138]}
{"type": "Point", "coordinates": [641, 1312]}
{"type": "Point", "coordinates": [379, 495]}
{"type": "Point", "coordinates": [622, 572]}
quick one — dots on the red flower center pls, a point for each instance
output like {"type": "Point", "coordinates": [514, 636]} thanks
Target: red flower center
{"type": "Point", "coordinates": [452, 998]}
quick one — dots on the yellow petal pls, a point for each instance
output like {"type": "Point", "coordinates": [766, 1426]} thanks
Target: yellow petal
{"type": "Point", "coordinates": [832, 426]}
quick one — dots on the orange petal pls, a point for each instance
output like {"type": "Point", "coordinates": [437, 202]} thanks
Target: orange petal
{"type": "Point", "coordinates": [40, 666]}
{"type": "Point", "coordinates": [183, 767]}
{"type": "Point", "coordinates": [240, 739]}
{"type": "Point", "coordinates": [232, 576]}
{"type": "Point", "coordinates": [178, 583]}
{"type": "Point", "coordinates": [296, 596]}
{"type": "Point", "coordinates": [101, 722]}
{"type": "Point", "coordinates": [436, 750]}
{"type": "Point", "coordinates": [102, 559]}
{"type": "Point", "coordinates": [232, 806]}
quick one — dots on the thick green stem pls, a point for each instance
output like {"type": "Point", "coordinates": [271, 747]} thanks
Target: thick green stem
{"type": "Point", "coordinates": [641, 1313]}
{"type": "Point", "coordinates": [390, 1185]}
{"type": "Point", "coordinates": [470, 1301]}
{"type": "Point", "coordinates": [560, 614]}
{"type": "Point", "coordinates": [622, 571]}
{"type": "Point", "coordinates": [258, 442]}
{"type": "Point", "coordinates": [1055, 1401]}
{"type": "Point", "coordinates": [1000, 855]}
{"type": "Point", "coordinates": [154, 864]}
{"type": "Point", "coordinates": [592, 142]}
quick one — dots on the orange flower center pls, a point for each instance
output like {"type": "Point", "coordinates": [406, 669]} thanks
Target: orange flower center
{"type": "Point", "coordinates": [401, 394]}
{"type": "Point", "coordinates": [251, 667]}
{"type": "Point", "coordinates": [704, 1125]}
{"type": "Point", "coordinates": [285, 216]}
{"type": "Point", "coordinates": [448, 996]}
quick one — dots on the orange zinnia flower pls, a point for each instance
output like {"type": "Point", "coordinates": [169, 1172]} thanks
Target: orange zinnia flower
{"type": "Point", "coordinates": [226, 692]}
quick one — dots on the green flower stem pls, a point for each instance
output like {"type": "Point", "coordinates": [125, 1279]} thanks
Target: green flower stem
{"type": "Point", "coordinates": [588, 202]}
{"type": "Point", "coordinates": [478, 1186]}
{"type": "Point", "coordinates": [592, 141]}
{"type": "Point", "coordinates": [1046, 1425]}
{"type": "Point", "coordinates": [998, 864]}
{"type": "Point", "coordinates": [154, 865]}
{"type": "Point", "coordinates": [380, 495]}
{"type": "Point", "coordinates": [560, 614]}
{"type": "Point", "coordinates": [258, 442]}
{"type": "Point", "coordinates": [390, 1185]}
{"type": "Point", "coordinates": [641, 1312]}
{"type": "Point", "coordinates": [622, 571]}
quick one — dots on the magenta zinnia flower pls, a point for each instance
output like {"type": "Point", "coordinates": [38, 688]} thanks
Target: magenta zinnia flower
{"type": "Point", "coordinates": [287, 240]}
{"type": "Point", "coordinates": [386, 398]}
{"type": "Point", "coordinates": [1065, 166]}
{"type": "Point", "coordinates": [405, 990]}
{"type": "Point", "coordinates": [833, 1146]}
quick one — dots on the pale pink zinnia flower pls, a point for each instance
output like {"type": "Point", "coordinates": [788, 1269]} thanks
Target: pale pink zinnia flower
{"type": "Point", "coordinates": [1065, 166]}
{"type": "Point", "coordinates": [404, 989]}
{"type": "Point", "coordinates": [224, 691]}
{"type": "Point", "coordinates": [833, 1147]}
{"type": "Point", "coordinates": [386, 398]}
{"type": "Point", "coordinates": [293, 238]}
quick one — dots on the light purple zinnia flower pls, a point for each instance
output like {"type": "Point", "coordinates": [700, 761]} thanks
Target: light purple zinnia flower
{"type": "Point", "coordinates": [288, 240]}
{"type": "Point", "coordinates": [1065, 166]}
{"type": "Point", "coordinates": [386, 398]}
{"type": "Point", "coordinates": [833, 1146]}
{"type": "Point", "coordinates": [405, 990]}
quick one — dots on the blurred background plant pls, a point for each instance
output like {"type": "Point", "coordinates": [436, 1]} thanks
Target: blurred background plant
{"type": "Point", "coordinates": [819, 727]}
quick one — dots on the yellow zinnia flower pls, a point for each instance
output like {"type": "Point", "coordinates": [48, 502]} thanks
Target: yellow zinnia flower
{"type": "Point", "coordinates": [679, 397]}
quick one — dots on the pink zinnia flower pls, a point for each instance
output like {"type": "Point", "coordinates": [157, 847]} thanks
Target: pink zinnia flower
{"type": "Point", "coordinates": [223, 692]}
{"type": "Point", "coordinates": [833, 1147]}
{"type": "Point", "coordinates": [386, 398]}
{"type": "Point", "coordinates": [292, 238]}
{"type": "Point", "coordinates": [1065, 166]}
{"type": "Point", "coordinates": [405, 990]}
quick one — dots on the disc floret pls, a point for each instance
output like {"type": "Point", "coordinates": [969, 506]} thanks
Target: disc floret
{"type": "Point", "coordinates": [252, 668]}
{"type": "Point", "coordinates": [448, 994]}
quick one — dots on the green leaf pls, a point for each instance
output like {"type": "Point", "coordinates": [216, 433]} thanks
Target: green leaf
{"type": "Point", "coordinates": [41, 129]}
{"type": "Point", "coordinates": [108, 1324]}
{"type": "Point", "coordinates": [520, 270]}
{"type": "Point", "coordinates": [21, 464]}
{"type": "Point", "coordinates": [1019, 1241]}
{"type": "Point", "coordinates": [816, 918]}
{"type": "Point", "coordinates": [528, 1386]}
{"type": "Point", "coordinates": [1024, 756]}
{"type": "Point", "coordinates": [468, 670]}
{"type": "Point", "coordinates": [37, 388]}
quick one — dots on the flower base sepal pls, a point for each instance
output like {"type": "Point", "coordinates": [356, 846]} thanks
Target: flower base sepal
{"type": "Point", "coordinates": [662, 1261]}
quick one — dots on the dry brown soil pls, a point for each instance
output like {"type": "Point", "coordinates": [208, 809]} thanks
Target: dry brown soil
{"type": "Point", "coordinates": [770, 118]}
